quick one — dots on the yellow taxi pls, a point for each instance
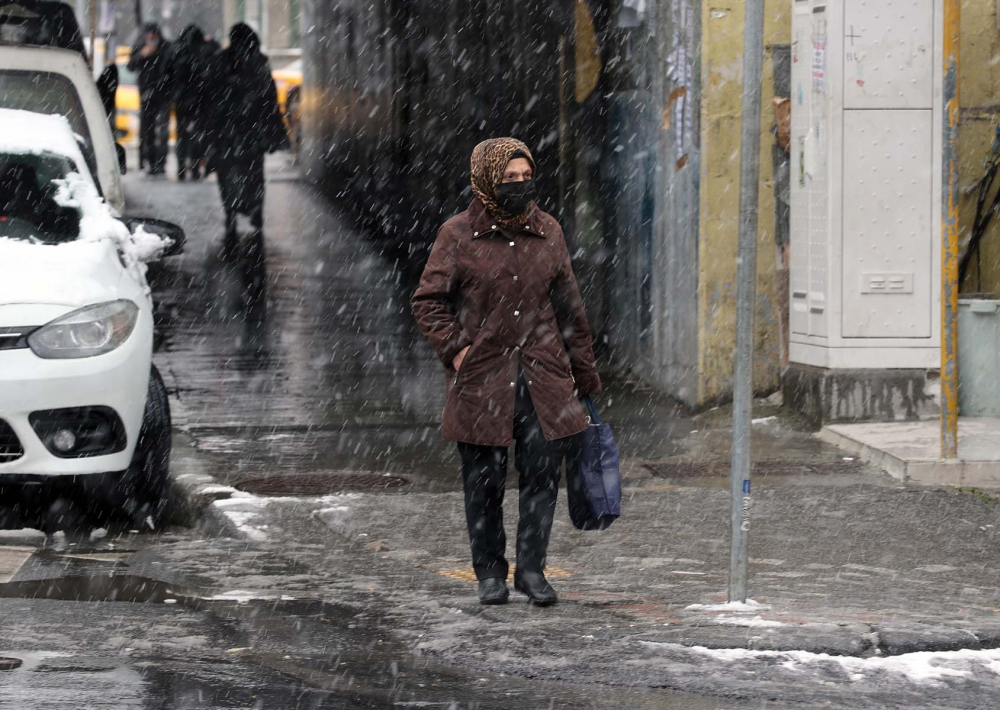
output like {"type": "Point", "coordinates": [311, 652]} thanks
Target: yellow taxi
{"type": "Point", "coordinates": [126, 100]}
{"type": "Point", "coordinates": [288, 81]}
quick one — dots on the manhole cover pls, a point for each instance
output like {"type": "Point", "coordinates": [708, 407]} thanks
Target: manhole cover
{"type": "Point", "coordinates": [319, 484]}
{"type": "Point", "coordinates": [699, 469]}
{"type": "Point", "coordinates": [9, 664]}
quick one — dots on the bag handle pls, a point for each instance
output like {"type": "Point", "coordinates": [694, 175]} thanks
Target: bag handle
{"type": "Point", "coordinates": [594, 416]}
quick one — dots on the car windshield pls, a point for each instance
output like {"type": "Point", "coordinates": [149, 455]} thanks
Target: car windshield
{"type": "Point", "coordinates": [46, 93]}
{"type": "Point", "coordinates": [28, 209]}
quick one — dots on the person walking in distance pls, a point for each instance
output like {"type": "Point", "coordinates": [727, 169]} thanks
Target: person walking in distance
{"type": "Point", "coordinates": [150, 60]}
{"type": "Point", "coordinates": [248, 126]}
{"type": "Point", "coordinates": [500, 304]}
{"type": "Point", "coordinates": [192, 77]}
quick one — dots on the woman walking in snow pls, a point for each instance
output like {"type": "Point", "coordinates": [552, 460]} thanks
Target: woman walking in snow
{"type": "Point", "coordinates": [500, 304]}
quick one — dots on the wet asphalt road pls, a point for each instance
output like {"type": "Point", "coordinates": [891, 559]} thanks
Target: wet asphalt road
{"type": "Point", "coordinates": [97, 623]}
{"type": "Point", "coordinates": [298, 355]}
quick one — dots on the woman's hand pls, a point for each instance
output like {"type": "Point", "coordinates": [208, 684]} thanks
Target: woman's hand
{"type": "Point", "coordinates": [457, 362]}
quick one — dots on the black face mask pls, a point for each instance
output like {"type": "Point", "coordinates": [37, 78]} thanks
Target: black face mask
{"type": "Point", "coordinates": [514, 197]}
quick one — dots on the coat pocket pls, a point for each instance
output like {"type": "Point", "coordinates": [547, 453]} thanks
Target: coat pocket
{"type": "Point", "coordinates": [470, 357]}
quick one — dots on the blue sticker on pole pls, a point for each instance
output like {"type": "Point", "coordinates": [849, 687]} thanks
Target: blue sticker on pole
{"type": "Point", "coordinates": [746, 486]}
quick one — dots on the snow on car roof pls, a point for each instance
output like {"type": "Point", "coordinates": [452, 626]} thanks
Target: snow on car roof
{"type": "Point", "coordinates": [30, 133]}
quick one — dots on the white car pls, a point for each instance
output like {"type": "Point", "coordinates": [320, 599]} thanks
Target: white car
{"type": "Point", "coordinates": [79, 398]}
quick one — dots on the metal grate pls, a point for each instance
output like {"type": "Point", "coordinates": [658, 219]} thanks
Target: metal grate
{"type": "Point", "coordinates": [10, 445]}
{"type": "Point", "coordinates": [9, 664]}
{"type": "Point", "coordinates": [319, 484]}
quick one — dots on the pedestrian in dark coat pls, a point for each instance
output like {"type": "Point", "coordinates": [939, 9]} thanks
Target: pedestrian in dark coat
{"type": "Point", "coordinates": [150, 60]}
{"type": "Point", "coordinates": [248, 126]}
{"type": "Point", "coordinates": [192, 71]}
{"type": "Point", "coordinates": [500, 304]}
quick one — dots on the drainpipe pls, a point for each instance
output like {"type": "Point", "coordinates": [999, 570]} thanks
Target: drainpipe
{"type": "Point", "coordinates": [949, 236]}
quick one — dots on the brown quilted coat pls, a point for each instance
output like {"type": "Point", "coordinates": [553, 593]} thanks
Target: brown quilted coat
{"type": "Point", "coordinates": [512, 296]}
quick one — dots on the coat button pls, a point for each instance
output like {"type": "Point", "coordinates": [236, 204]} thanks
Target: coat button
{"type": "Point", "coordinates": [511, 384]}
{"type": "Point", "coordinates": [515, 278]}
{"type": "Point", "coordinates": [512, 243]}
{"type": "Point", "coordinates": [475, 234]}
{"type": "Point", "coordinates": [530, 382]}
{"type": "Point", "coordinates": [517, 313]}
{"type": "Point", "coordinates": [493, 227]}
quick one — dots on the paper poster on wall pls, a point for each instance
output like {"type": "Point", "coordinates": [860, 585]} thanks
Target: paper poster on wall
{"type": "Point", "coordinates": [819, 64]}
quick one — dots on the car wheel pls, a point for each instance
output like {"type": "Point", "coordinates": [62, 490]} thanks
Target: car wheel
{"type": "Point", "coordinates": [144, 489]}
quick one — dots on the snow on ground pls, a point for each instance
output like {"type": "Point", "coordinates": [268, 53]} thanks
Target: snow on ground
{"type": "Point", "coordinates": [926, 667]}
{"type": "Point", "coordinates": [23, 532]}
{"type": "Point", "coordinates": [246, 595]}
{"type": "Point", "coordinates": [245, 510]}
{"type": "Point", "coordinates": [749, 606]}
{"type": "Point", "coordinates": [754, 622]}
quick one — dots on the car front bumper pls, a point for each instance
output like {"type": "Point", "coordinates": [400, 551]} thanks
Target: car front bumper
{"type": "Point", "coordinates": [118, 379]}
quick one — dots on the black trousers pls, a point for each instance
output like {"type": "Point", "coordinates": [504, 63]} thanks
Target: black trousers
{"type": "Point", "coordinates": [241, 184]}
{"type": "Point", "coordinates": [154, 134]}
{"type": "Point", "coordinates": [484, 473]}
{"type": "Point", "coordinates": [190, 147]}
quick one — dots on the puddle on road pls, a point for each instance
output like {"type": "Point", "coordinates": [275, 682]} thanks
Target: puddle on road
{"type": "Point", "coordinates": [114, 588]}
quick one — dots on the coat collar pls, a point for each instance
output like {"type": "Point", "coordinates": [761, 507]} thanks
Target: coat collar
{"type": "Point", "coordinates": [482, 223]}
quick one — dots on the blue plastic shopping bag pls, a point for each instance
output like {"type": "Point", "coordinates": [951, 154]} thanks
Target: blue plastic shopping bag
{"type": "Point", "coordinates": [593, 482]}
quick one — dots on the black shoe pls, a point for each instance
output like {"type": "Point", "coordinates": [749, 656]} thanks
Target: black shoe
{"type": "Point", "coordinates": [538, 589]}
{"type": "Point", "coordinates": [493, 590]}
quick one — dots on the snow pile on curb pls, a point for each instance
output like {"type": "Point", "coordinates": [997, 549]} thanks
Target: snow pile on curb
{"type": "Point", "coordinates": [749, 606]}
{"type": "Point", "coordinates": [922, 667]}
{"type": "Point", "coordinates": [754, 622]}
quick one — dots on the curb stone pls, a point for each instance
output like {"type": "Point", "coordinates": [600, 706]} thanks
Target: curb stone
{"type": "Point", "coordinates": [832, 638]}
{"type": "Point", "coordinates": [193, 491]}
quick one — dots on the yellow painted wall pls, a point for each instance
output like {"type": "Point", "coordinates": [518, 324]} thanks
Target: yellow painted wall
{"type": "Point", "coordinates": [722, 69]}
{"type": "Point", "coordinates": [979, 96]}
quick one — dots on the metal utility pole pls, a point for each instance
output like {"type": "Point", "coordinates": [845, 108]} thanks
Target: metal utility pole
{"type": "Point", "coordinates": [746, 295]}
{"type": "Point", "coordinates": [949, 236]}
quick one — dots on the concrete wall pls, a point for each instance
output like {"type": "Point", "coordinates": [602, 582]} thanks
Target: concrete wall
{"type": "Point", "coordinates": [722, 70]}
{"type": "Point", "coordinates": [979, 96]}
{"type": "Point", "coordinates": [634, 121]}
{"type": "Point", "coordinates": [277, 21]}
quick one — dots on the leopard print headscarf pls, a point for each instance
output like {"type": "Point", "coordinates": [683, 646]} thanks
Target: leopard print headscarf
{"type": "Point", "coordinates": [489, 160]}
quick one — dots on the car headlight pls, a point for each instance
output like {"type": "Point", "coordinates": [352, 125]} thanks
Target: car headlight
{"type": "Point", "coordinates": [89, 331]}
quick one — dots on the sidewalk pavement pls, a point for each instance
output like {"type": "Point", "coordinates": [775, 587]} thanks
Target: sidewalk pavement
{"type": "Point", "coordinates": [844, 560]}
{"type": "Point", "coordinates": [911, 451]}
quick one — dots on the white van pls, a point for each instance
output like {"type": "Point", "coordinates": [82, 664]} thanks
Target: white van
{"type": "Point", "coordinates": [43, 70]}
